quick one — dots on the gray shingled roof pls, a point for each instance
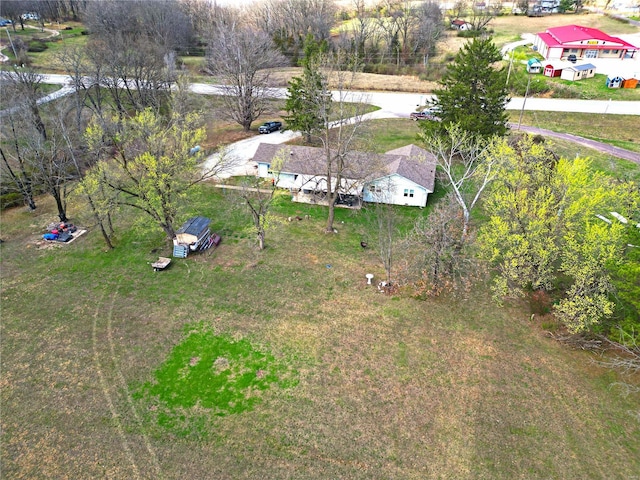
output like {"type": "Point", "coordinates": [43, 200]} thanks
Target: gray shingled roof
{"type": "Point", "coordinates": [410, 161]}
{"type": "Point", "coordinates": [415, 164]}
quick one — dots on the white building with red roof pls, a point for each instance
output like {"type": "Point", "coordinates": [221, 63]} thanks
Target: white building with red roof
{"type": "Point", "coordinates": [585, 43]}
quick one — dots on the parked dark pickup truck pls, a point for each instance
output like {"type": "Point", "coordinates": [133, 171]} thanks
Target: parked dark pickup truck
{"type": "Point", "coordinates": [428, 114]}
{"type": "Point", "coordinates": [269, 127]}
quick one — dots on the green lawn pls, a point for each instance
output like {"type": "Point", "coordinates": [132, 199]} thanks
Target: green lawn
{"type": "Point", "coordinates": [46, 60]}
{"type": "Point", "coordinates": [594, 88]}
{"type": "Point", "coordinates": [112, 370]}
{"type": "Point", "coordinates": [236, 363]}
{"type": "Point", "coordinates": [618, 130]}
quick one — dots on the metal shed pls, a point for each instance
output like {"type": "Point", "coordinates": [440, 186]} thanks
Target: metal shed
{"type": "Point", "coordinates": [193, 235]}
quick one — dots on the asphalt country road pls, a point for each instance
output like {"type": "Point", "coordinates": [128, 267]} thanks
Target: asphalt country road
{"type": "Point", "coordinates": [399, 105]}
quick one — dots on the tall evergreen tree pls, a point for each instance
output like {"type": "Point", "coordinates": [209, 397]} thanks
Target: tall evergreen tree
{"type": "Point", "coordinates": [473, 92]}
{"type": "Point", "coordinates": [302, 104]}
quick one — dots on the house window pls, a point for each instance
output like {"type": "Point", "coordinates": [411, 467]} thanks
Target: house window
{"type": "Point", "coordinates": [408, 193]}
{"type": "Point", "coordinates": [614, 51]}
{"type": "Point", "coordinates": [606, 51]}
{"type": "Point", "coordinates": [375, 189]}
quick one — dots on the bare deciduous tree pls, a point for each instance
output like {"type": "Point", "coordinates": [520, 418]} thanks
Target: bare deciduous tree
{"type": "Point", "coordinates": [481, 16]}
{"type": "Point", "coordinates": [288, 22]}
{"type": "Point", "coordinates": [241, 58]}
{"type": "Point", "coordinates": [257, 196]}
{"type": "Point", "coordinates": [207, 16]}
{"type": "Point", "coordinates": [341, 127]}
{"type": "Point", "coordinates": [465, 166]}
{"type": "Point", "coordinates": [356, 35]}
{"type": "Point", "coordinates": [161, 22]}
{"type": "Point", "coordinates": [13, 10]}
{"type": "Point", "coordinates": [26, 85]}
{"type": "Point", "coordinates": [15, 162]}
{"type": "Point", "coordinates": [436, 258]}
{"type": "Point", "coordinates": [386, 220]}
{"type": "Point", "coordinates": [53, 168]}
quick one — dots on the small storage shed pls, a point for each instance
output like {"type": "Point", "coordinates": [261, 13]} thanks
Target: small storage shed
{"type": "Point", "coordinates": [630, 83]}
{"type": "Point", "coordinates": [614, 81]}
{"type": "Point", "coordinates": [534, 65]}
{"type": "Point", "coordinates": [578, 72]}
{"type": "Point", "coordinates": [458, 24]}
{"type": "Point", "coordinates": [193, 235]}
{"type": "Point", "coordinates": [552, 70]}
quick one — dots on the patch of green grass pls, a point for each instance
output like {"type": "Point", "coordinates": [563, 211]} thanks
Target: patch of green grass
{"type": "Point", "coordinates": [392, 133]}
{"type": "Point", "coordinates": [214, 373]}
{"type": "Point", "coordinates": [47, 60]}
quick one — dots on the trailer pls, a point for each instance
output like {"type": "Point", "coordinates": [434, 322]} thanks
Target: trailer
{"type": "Point", "coordinates": [161, 264]}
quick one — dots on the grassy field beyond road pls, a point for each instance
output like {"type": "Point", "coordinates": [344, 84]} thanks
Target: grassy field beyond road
{"type": "Point", "coordinates": [618, 130]}
{"type": "Point", "coordinates": [382, 387]}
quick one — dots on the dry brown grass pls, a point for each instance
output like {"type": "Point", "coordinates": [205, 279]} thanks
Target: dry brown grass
{"type": "Point", "coordinates": [390, 387]}
{"type": "Point", "coordinates": [363, 81]}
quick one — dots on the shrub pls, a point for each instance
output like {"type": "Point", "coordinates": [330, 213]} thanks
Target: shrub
{"type": "Point", "coordinates": [469, 33]}
{"type": "Point", "coordinates": [540, 302]}
{"type": "Point", "coordinates": [37, 46]}
{"type": "Point", "coordinates": [434, 72]}
{"type": "Point", "coordinates": [537, 85]}
{"type": "Point", "coordinates": [8, 200]}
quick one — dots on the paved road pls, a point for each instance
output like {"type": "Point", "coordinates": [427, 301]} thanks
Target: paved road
{"type": "Point", "coordinates": [399, 105]}
{"type": "Point", "coordinates": [396, 104]}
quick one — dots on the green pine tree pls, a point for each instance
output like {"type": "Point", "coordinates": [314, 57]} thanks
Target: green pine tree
{"type": "Point", "coordinates": [473, 91]}
{"type": "Point", "coordinates": [304, 93]}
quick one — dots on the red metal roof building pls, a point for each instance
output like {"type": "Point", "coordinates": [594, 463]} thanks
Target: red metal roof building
{"type": "Point", "coordinates": [583, 42]}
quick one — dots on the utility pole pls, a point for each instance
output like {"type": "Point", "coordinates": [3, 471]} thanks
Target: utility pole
{"type": "Point", "coordinates": [510, 64]}
{"type": "Point", "coordinates": [12, 47]}
{"type": "Point", "coordinates": [524, 101]}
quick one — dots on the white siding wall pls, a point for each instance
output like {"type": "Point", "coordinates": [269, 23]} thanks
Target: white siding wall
{"type": "Point", "coordinates": [554, 53]}
{"type": "Point", "coordinates": [285, 180]}
{"type": "Point", "coordinates": [401, 190]}
{"type": "Point", "coordinates": [263, 170]}
{"type": "Point", "coordinates": [307, 182]}
{"type": "Point", "coordinates": [392, 189]}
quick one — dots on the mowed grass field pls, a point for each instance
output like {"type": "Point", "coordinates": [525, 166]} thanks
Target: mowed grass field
{"type": "Point", "coordinates": [616, 130]}
{"type": "Point", "coordinates": [327, 377]}
{"type": "Point", "coordinates": [99, 351]}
